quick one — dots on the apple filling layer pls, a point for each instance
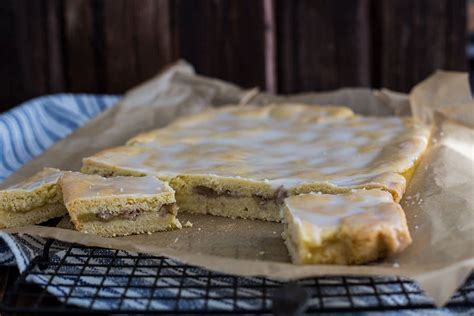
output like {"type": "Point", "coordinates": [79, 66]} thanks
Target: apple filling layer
{"type": "Point", "coordinates": [106, 215]}
{"type": "Point", "coordinates": [277, 198]}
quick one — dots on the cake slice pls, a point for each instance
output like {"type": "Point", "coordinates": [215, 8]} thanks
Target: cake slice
{"type": "Point", "coordinates": [33, 201]}
{"type": "Point", "coordinates": [119, 206]}
{"type": "Point", "coordinates": [350, 228]}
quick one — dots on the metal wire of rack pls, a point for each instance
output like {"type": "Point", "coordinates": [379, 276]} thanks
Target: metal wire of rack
{"type": "Point", "coordinates": [93, 280]}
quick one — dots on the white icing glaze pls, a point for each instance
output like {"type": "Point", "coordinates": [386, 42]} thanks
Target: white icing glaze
{"type": "Point", "coordinates": [45, 176]}
{"type": "Point", "coordinates": [76, 185]}
{"type": "Point", "coordinates": [286, 145]}
{"type": "Point", "coordinates": [329, 209]}
{"type": "Point", "coordinates": [315, 212]}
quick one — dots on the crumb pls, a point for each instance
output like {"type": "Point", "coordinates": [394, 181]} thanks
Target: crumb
{"type": "Point", "coordinates": [274, 233]}
{"type": "Point", "coordinates": [415, 215]}
{"type": "Point", "coordinates": [149, 233]}
{"type": "Point", "coordinates": [319, 193]}
{"type": "Point", "coordinates": [396, 265]}
{"type": "Point", "coordinates": [188, 224]}
{"type": "Point", "coordinates": [261, 253]}
{"type": "Point", "coordinates": [441, 134]}
{"type": "Point", "coordinates": [176, 240]}
{"type": "Point", "coordinates": [121, 189]}
{"type": "Point", "coordinates": [408, 197]}
{"type": "Point", "coordinates": [416, 226]}
{"type": "Point", "coordinates": [199, 228]}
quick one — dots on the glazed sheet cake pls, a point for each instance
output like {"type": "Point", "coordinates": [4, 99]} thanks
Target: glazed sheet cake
{"type": "Point", "coordinates": [119, 206]}
{"type": "Point", "coordinates": [33, 201]}
{"type": "Point", "coordinates": [242, 161]}
{"type": "Point", "coordinates": [348, 228]}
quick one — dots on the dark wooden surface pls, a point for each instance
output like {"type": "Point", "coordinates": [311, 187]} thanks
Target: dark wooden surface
{"type": "Point", "coordinates": [415, 37]}
{"type": "Point", "coordinates": [223, 39]}
{"type": "Point", "coordinates": [108, 46]}
{"type": "Point", "coordinates": [323, 44]}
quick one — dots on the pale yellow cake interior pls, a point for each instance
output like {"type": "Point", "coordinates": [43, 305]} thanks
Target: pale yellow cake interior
{"type": "Point", "coordinates": [146, 223]}
{"type": "Point", "coordinates": [33, 201]}
{"type": "Point", "coordinates": [36, 191]}
{"type": "Point", "coordinates": [35, 216]}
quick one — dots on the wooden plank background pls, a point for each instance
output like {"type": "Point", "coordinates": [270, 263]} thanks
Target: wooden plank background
{"type": "Point", "coordinates": [108, 46]}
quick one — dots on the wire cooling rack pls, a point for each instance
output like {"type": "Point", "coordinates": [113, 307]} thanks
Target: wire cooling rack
{"type": "Point", "coordinates": [92, 280]}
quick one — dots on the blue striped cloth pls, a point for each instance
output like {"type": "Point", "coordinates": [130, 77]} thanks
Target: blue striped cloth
{"type": "Point", "coordinates": [29, 129]}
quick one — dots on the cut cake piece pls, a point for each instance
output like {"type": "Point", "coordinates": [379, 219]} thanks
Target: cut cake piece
{"type": "Point", "coordinates": [33, 201]}
{"type": "Point", "coordinates": [241, 161]}
{"type": "Point", "coordinates": [350, 228]}
{"type": "Point", "coordinates": [119, 206]}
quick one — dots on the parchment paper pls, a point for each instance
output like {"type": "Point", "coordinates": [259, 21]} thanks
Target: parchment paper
{"type": "Point", "coordinates": [439, 202]}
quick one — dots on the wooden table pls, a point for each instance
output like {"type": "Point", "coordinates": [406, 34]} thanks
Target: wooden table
{"type": "Point", "coordinates": [281, 46]}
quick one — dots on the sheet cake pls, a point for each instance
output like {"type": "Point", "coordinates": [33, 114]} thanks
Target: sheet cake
{"type": "Point", "coordinates": [242, 161]}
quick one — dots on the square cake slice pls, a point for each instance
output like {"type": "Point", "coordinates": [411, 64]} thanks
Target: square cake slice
{"type": "Point", "coordinates": [350, 228]}
{"type": "Point", "coordinates": [119, 206]}
{"type": "Point", "coordinates": [33, 201]}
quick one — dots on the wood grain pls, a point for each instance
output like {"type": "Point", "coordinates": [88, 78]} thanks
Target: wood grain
{"type": "Point", "coordinates": [153, 36]}
{"type": "Point", "coordinates": [54, 41]}
{"type": "Point", "coordinates": [323, 44]}
{"type": "Point", "coordinates": [414, 38]}
{"type": "Point", "coordinates": [223, 39]}
{"type": "Point", "coordinates": [108, 46]}
{"type": "Point", "coordinates": [82, 47]}
{"type": "Point", "coordinates": [24, 70]}
{"type": "Point", "coordinates": [11, 84]}
{"type": "Point", "coordinates": [119, 45]}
